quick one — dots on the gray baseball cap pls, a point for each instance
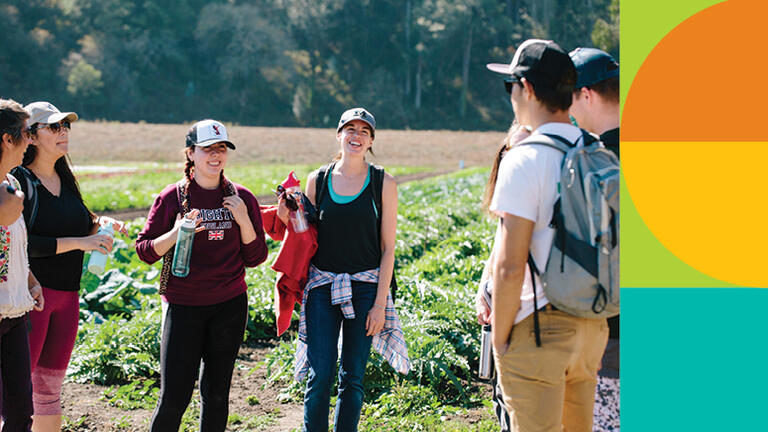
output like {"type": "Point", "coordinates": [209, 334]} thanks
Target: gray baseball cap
{"type": "Point", "coordinates": [46, 113]}
{"type": "Point", "coordinates": [358, 114]}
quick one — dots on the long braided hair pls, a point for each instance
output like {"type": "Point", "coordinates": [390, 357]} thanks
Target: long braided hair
{"type": "Point", "coordinates": [183, 186]}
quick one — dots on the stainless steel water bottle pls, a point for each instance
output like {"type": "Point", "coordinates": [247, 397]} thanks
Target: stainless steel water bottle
{"type": "Point", "coordinates": [486, 353]}
{"type": "Point", "coordinates": [183, 250]}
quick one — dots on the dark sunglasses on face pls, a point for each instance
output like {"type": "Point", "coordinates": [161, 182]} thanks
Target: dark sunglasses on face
{"type": "Point", "coordinates": [509, 83]}
{"type": "Point", "coordinates": [54, 127]}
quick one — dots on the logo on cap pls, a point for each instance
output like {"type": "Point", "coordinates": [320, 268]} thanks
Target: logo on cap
{"type": "Point", "coordinates": [215, 129]}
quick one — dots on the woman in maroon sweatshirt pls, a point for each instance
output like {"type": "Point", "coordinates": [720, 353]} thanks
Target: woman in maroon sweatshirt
{"type": "Point", "coordinates": [206, 311]}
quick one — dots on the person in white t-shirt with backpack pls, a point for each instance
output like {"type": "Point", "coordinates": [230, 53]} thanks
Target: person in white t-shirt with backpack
{"type": "Point", "coordinates": [547, 361]}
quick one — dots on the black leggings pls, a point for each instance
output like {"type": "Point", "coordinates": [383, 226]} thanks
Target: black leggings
{"type": "Point", "coordinates": [191, 333]}
{"type": "Point", "coordinates": [16, 381]}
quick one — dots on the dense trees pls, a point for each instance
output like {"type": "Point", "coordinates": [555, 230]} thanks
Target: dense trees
{"type": "Point", "coordinates": [414, 63]}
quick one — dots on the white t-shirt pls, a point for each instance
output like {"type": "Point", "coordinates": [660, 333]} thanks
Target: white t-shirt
{"type": "Point", "coordinates": [526, 187]}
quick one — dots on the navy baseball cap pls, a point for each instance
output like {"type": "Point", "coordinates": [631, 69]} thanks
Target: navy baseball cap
{"type": "Point", "coordinates": [592, 66]}
{"type": "Point", "coordinates": [542, 62]}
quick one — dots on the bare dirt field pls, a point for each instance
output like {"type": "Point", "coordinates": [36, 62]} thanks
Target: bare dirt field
{"type": "Point", "coordinates": [123, 143]}
{"type": "Point", "coordinates": [86, 411]}
{"type": "Point", "coordinates": [101, 142]}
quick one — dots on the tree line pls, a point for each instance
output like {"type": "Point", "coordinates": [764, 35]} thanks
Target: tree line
{"type": "Point", "coordinates": [414, 63]}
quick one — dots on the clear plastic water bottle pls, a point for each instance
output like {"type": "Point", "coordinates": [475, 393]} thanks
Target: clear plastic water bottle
{"type": "Point", "coordinates": [298, 217]}
{"type": "Point", "coordinates": [98, 261]}
{"type": "Point", "coordinates": [183, 250]}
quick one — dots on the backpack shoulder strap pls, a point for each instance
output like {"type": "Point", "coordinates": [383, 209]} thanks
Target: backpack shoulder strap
{"type": "Point", "coordinates": [549, 140]}
{"type": "Point", "coordinates": [377, 181]}
{"type": "Point", "coordinates": [29, 187]}
{"type": "Point", "coordinates": [377, 178]}
{"type": "Point", "coordinates": [180, 195]}
{"type": "Point", "coordinates": [320, 180]}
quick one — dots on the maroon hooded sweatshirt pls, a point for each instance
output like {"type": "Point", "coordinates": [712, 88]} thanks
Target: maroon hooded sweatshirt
{"type": "Point", "coordinates": [217, 266]}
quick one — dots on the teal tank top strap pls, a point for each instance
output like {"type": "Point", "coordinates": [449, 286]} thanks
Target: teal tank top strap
{"type": "Point", "coordinates": [345, 199]}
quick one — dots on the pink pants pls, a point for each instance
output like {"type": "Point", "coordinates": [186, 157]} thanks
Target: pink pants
{"type": "Point", "coordinates": [51, 340]}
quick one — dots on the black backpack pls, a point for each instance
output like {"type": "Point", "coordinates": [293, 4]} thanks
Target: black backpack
{"type": "Point", "coordinates": [377, 180]}
{"type": "Point", "coordinates": [29, 183]}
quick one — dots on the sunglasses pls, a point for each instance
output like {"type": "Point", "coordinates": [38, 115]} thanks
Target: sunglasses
{"type": "Point", "coordinates": [54, 127]}
{"type": "Point", "coordinates": [290, 202]}
{"type": "Point", "coordinates": [509, 83]}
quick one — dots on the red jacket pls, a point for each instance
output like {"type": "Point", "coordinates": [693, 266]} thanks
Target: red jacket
{"type": "Point", "coordinates": [291, 264]}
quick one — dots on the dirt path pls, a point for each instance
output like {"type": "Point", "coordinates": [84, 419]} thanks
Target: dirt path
{"type": "Point", "coordinates": [250, 398]}
{"type": "Point", "coordinates": [129, 214]}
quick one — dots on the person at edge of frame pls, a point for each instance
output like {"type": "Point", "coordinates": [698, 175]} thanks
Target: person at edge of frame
{"type": "Point", "coordinates": [354, 261]}
{"type": "Point", "coordinates": [516, 133]}
{"type": "Point", "coordinates": [551, 387]}
{"type": "Point", "coordinates": [595, 107]}
{"type": "Point", "coordinates": [20, 292]}
{"type": "Point", "coordinates": [60, 233]}
{"type": "Point", "coordinates": [205, 312]}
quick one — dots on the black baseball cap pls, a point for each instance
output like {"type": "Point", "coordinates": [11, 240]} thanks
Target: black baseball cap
{"type": "Point", "coordinates": [542, 62]}
{"type": "Point", "coordinates": [592, 66]}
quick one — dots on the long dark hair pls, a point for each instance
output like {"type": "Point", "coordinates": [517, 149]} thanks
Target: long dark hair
{"type": "Point", "coordinates": [12, 117]}
{"type": "Point", "coordinates": [63, 167]}
{"type": "Point", "coordinates": [189, 173]}
{"type": "Point", "coordinates": [515, 134]}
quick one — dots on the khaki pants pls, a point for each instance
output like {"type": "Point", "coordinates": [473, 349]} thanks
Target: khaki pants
{"type": "Point", "coordinates": [552, 388]}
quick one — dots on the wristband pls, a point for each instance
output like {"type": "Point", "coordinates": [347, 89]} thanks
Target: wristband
{"type": "Point", "coordinates": [379, 306]}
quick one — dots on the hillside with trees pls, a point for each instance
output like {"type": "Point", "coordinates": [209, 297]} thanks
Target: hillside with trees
{"type": "Point", "coordinates": [416, 64]}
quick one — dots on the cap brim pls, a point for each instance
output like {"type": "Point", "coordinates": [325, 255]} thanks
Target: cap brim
{"type": "Point", "coordinates": [373, 129]}
{"type": "Point", "coordinates": [501, 68]}
{"type": "Point", "coordinates": [57, 117]}
{"type": "Point", "coordinates": [216, 141]}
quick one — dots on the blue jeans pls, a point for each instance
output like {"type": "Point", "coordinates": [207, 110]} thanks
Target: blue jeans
{"type": "Point", "coordinates": [323, 323]}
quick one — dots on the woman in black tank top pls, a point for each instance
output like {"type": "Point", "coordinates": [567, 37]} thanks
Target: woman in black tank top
{"type": "Point", "coordinates": [349, 242]}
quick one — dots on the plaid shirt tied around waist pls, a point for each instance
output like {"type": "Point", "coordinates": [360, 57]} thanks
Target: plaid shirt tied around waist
{"type": "Point", "coordinates": [389, 342]}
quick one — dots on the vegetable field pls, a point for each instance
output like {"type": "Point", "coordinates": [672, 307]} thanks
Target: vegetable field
{"type": "Point", "coordinates": [442, 241]}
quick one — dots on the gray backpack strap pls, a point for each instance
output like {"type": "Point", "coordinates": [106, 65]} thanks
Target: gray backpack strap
{"type": "Point", "coordinates": [553, 141]}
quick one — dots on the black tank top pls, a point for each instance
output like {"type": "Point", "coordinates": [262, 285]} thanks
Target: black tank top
{"type": "Point", "coordinates": [347, 234]}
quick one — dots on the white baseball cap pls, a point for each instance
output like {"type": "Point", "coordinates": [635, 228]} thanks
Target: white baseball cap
{"type": "Point", "coordinates": [208, 132]}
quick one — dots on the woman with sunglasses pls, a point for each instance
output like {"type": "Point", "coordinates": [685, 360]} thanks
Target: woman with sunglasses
{"type": "Point", "coordinates": [19, 290]}
{"type": "Point", "coordinates": [61, 229]}
{"type": "Point", "coordinates": [355, 258]}
{"type": "Point", "coordinates": [205, 312]}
